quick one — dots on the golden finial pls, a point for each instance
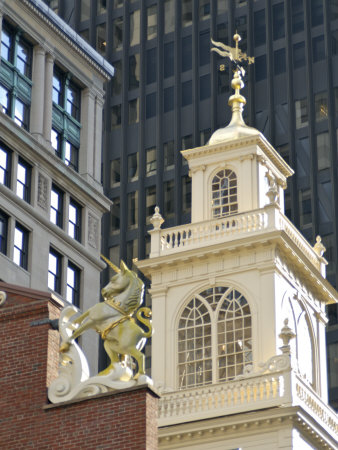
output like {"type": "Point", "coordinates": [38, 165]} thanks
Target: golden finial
{"type": "Point", "coordinates": [236, 101]}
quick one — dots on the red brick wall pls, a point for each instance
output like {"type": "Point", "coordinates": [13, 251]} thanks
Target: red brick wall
{"type": "Point", "coordinates": [29, 358]}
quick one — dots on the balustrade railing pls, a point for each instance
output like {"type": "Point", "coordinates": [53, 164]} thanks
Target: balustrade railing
{"type": "Point", "coordinates": [278, 388]}
{"type": "Point", "coordinates": [228, 398]}
{"type": "Point", "coordinates": [224, 229]}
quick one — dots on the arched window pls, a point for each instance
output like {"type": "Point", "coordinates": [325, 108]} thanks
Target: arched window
{"type": "Point", "coordinates": [214, 337]}
{"type": "Point", "coordinates": [224, 193]}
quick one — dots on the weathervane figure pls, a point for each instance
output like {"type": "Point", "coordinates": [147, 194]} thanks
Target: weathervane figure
{"type": "Point", "coordinates": [236, 101]}
{"type": "Point", "coordinates": [234, 54]}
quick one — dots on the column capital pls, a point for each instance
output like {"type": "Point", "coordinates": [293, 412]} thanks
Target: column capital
{"type": "Point", "coordinates": [39, 49]}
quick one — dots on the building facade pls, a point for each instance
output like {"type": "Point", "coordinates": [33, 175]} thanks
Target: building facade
{"type": "Point", "coordinates": [169, 94]}
{"type": "Point", "coordinates": [51, 195]}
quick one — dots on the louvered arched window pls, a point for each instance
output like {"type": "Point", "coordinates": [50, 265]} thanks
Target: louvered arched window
{"type": "Point", "coordinates": [214, 337]}
{"type": "Point", "coordinates": [224, 193]}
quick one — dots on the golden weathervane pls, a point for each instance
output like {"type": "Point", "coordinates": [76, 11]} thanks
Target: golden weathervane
{"type": "Point", "coordinates": [234, 54]}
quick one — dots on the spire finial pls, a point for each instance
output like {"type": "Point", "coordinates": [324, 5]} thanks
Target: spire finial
{"type": "Point", "coordinates": [236, 101]}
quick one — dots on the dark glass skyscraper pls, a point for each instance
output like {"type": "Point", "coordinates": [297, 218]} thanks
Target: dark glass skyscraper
{"type": "Point", "coordinates": [169, 94]}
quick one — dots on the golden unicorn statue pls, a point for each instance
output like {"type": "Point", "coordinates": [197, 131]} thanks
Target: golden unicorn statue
{"type": "Point", "coordinates": [115, 320]}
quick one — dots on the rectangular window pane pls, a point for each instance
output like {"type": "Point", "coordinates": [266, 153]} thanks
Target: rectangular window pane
{"type": "Point", "coordinates": [168, 59]}
{"type": "Point", "coordinates": [169, 197]}
{"type": "Point", "coordinates": [318, 48]}
{"type": "Point", "coordinates": [54, 271]}
{"type": "Point", "coordinates": [186, 195]}
{"type": "Point", "coordinates": [169, 16]}
{"type": "Point", "coordinates": [259, 28]}
{"type": "Point", "coordinates": [204, 9]}
{"type": "Point", "coordinates": [57, 88]}
{"type": "Point", "coordinates": [301, 113]}
{"type": "Point", "coordinates": [187, 93]}
{"type": "Point", "coordinates": [204, 48]}
{"type": "Point", "coordinates": [278, 21]}
{"type": "Point", "coordinates": [305, 207]}
{"type": "Point", "coordinates": [115, 117]}
{"type": "Point", "coordinates": [5, 164]}
{"type": "Point", "coordinates": [115, 172]}
{"type": "Point", "coordinates": [20, 246]}
{"type": "Point", "coordinates": [133, 167]}
{"type": "Point", "coordinates": [134, 71]}
{"type": "Point", "coordinates": [23, 59]}
{"type": "Point", "coordinates": [260, 68]}
{"type": "Point", "coordinates": [223, 32]}
{"type": "Point", "coordinates": [118, 34]}
{"type": "Point", "coordinates": [186, 13]}
{"type": "Point", "coordinates": [299, 55]}
{"type": "Point", "coordinates": [169, 154]}
{"type": "Point", "coordinates": [21, 114]}
{"type": "Point", "coordinates": [73, 101]}
{"type": "Point", "coordinates": [71, 155]}
{"type": "Point", "coordinates": [279, 61]}
{"type": "Point", "coordinates": [168, 99]}
{"type": "Point", "coordinates": [6, 44]}
{"type": "Point", "coordinates": [222, 6]}
{"type": "Point", "coordinates": [323, 151]}
{"type": "Point", "coordinates": [23, 180]}
{"type": "Point", "coordinates": [205, 87]}
{"type": "Point", "coordinates": [74, 220]}
{"type": "Point", "coordinates": [85, 10]}
{"type": "Point", "coordinates": [321, 107]}
{"type": "Point", "coordinates": [150, 202]}
{"type": "Point", "coordinates": [186, 53]}
{"type": "Point", "coordinates": [316, 12]}
{"type": "Point", "coordinates": [4, 99]}
{"type": "Point", "coordinates": [133, 210]}
{"type": "Point", "coordinates": [3, 232]}
{"type": "Point", "coordinates": [134, 111]}
{"type": "Point", "coordinates": [297, 16]}
{"type": "Point", "coordinates": [135, 28]}
{"type": "Point", "coordinates": [115, 216]}
{"type": "Point", "coordinates": [56, 206]}
{"type": "Point", "coordinates": [101, 39]}
{"type": "Point", "coordinates": [205, 136]}
{"type": "Point", "coordinates": [151, 105]}
{"type": "Point", "coordinates": [132, 251]}
{"type": "Point", "coordinates": [101, 7]}
{"type": "Point", "coordinates": [151, 22]}
{"type": "Point", "coordinates": [151, 65]}
{"type": "Point", "coordinates": [73, 284]}
{"type": "Point", "coordinates": [187, 142]}
{"type": "Point", "coordinates": [151, 161]}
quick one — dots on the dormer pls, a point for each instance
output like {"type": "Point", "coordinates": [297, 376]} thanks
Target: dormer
{"type": "Point", "coordinates": [237, 171]}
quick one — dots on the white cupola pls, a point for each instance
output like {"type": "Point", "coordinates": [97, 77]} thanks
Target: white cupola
{"type": "Point", "coordinates": [238, 301]}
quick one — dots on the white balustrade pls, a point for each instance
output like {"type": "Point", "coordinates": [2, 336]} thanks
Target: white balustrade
{"type": "Point", "coordinates": [222, 399]}
{"type": "Point", "coordinates": [194, 235]}
{"type": "Point", "coordinates": [278, 388]}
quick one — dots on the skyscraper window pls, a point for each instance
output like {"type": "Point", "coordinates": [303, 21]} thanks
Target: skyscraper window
{"type": "Point", "coordinates": [152, 22]}
{"type": "Point", "coordinates": [278, 21]}
{"type": "Point", "coordinates": [135, 28]}
{"type": "Point", "coordinates": [169, 16]}
{"type": "Point", "coordinates": [186, 13]}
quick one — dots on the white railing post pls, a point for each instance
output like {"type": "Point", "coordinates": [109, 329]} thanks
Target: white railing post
{"type": "Point", "coordinates": [155, 243]}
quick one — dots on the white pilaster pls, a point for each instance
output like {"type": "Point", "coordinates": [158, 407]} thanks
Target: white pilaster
{"type": "Point", "coordinates": [38, 91]}
{"type": "Point", "coordinates": [98, 138]}
{"type": "Point", "coordinates": [198, 202]}
{"type": "Point", "coordinates": [48, 105]}
{"type": "Point", "coordinates": [87, 133]}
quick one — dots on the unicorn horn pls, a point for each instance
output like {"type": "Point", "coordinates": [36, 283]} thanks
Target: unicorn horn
{"type": "Point", "coordinates": [115, 268]}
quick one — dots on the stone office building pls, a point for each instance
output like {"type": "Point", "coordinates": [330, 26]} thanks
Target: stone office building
{"type": "Point", "coordinates": [51, 196]}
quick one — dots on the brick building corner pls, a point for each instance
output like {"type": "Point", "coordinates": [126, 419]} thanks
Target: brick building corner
{"type": "Point", "coordinates": [116, 420]}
